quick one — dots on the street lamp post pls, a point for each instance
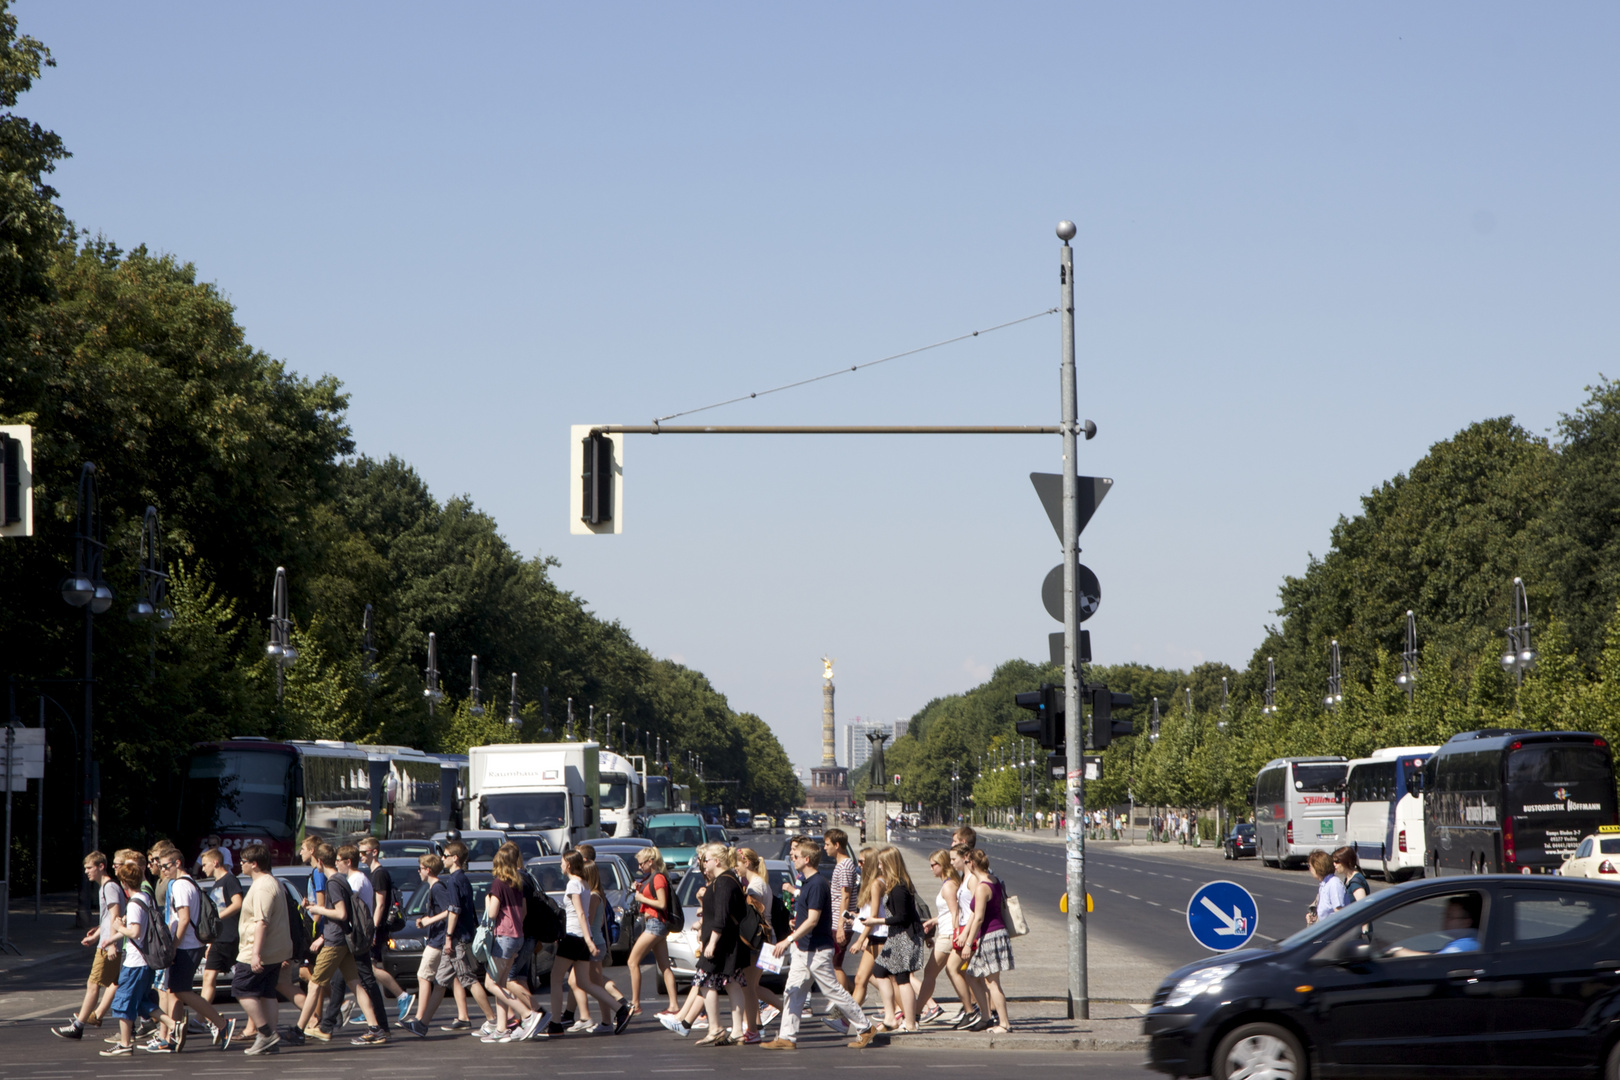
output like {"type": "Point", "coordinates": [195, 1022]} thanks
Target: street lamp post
{"type": "Point", "coordinates": [513, 717]}
{"type": "Point", "coordinates": [1335, 694]}
{"type": "Point", "coordinates": [281, 650]}
{"type": "Point", "coordinates": [86, 588]}
{"type": "Point", "coordinates": [432, 692]}
{"type": "Point", "coordinates": [590, 724]}
{"type": "Point", "coordinates": [570, 720]}
{"type": "Point", "coordinates": [1407, 679]}
{"type": "Point", "coordinates": [1226, 700]}
{"type": "Point", "coordinates": [153, 602]}
{"type": "Point", "coordinates": [477, 707]}
{"type": "Point", "coordinates": [1271, 686]}
{"type": "Point", "coordinates": [1520, 656]}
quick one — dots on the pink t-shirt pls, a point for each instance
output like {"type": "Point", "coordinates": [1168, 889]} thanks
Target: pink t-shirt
{"type": "Point", "coordinates": [509, 923]}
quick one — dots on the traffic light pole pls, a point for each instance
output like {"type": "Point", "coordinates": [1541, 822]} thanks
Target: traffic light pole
{"type": "Point", "coordinates": [1073, 728]}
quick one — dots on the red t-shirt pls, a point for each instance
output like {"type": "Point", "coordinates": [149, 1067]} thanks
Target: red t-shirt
{"type": "Point", "coordinates": [649, 891]}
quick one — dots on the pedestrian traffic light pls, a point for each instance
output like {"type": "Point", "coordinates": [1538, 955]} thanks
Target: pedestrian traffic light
{"type": "Point", "coordinates": [1047, 705]}
{"type": "Point", "coordinates": [16, 480]}
{"type": "Point", "coordinates": [598, 468]}
{"type": "Point", "coordinates": [1104, 728]}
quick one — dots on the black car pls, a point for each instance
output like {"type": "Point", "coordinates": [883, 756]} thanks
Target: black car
{"type": "Point", "coordinates": [1239, 842]}
{"type": "Point", "coordinates": [1467, 976]}
{"type": "Point", "coordinates": [404, 949]}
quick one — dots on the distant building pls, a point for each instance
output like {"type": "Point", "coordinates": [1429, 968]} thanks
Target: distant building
{"type": "Point", "coordinates": [901, 726]}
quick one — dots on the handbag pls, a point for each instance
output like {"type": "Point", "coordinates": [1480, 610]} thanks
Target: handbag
{"type": "Point", "coordinates": [1012, 913]}
{"type": "Point", "coordinates": [483, 943]}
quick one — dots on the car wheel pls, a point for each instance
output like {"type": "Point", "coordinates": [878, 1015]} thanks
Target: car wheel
{"type": "Point", "coordinates": [1259, 1052]}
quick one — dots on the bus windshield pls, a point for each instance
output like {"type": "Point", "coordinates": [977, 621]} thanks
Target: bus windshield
{"type": "Point", "coordinates": [523, 811]}
{"type": "Point", "coordinates": [1319, 777]}
{"type": "Point", "coordinates": [231, 790]}
{"type": "Point", "coordinates": [613, 793]}
{"type": "Point", "coordinates": [657, 793]}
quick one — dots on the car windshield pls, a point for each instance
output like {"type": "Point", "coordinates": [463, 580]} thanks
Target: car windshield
{"type": "Point", "coordinates": [529, 846]}
{"type": "Point", "coordinates": [526, 811]}
{"type": "Point", "coordinates": [675, 836]}
{"type": "Point", "coordinates": [1609, 845]}
{"type": "Point", "coordinates": [1245, 830]}
{"type": "Point", "coordinates": [686, 891]}
{"type": "Point", "coordinates": [1318, 777]}
{"type": "Point", "coordinates": [404, 849]}
{"type": "Point", "coordinates": [1322, 927]}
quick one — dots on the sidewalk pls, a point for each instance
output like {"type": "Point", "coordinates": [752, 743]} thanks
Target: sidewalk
{"type": "Point", "coordinates": [48, 977]}
{"type": "Point", "coordinates": [1043, 1025]}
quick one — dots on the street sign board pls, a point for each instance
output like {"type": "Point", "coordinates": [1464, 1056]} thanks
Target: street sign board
{"type": "Point", "coordinates": [28, 760]}
{"type": "Point", "coordinates": [1222, 916]}
{"type": "Point", "coordinates": [1088, 592]}
{"type": "Point", "coordinates": [1090, 494]}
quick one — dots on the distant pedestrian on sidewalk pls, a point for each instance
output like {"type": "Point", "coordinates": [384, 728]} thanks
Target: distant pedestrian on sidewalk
{"type": "Point", "coordinates": [105, 964]}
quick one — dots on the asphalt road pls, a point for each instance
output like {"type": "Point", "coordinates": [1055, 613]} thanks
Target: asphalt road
{"type": "Point", "coordinates": [1141, 893]}
{"type": "Point", "coordinates": [645, 1049]}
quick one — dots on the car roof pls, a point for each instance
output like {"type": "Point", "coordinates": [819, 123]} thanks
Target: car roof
{"type": "Point", "coordinates": [675, 818]}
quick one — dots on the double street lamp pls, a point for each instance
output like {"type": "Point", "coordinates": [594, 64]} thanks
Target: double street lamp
{"type": "Point", "coordinates": [1270, 706]}
{"type": "Point", "coordinates": [1520, 657]}
{"type": "Point", "coordinates": [280, 649]}
{"type": "Point", "coordinates": [153, 602]}
{"type": "Point", "coordinates": [1407, 679]}
{"type": "Point", "coordinates": [1335, 694]}
{"type": "Point", "coordinates": [432, 692]}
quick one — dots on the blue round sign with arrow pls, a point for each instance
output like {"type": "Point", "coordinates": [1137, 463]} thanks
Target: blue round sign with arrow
{"type": "Point", "coordinates": [1222, 916]}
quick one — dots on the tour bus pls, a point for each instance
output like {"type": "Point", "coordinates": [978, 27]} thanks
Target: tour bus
{"type": "Point", "coordinates": [1383, 810]}
{"type": "Point", "coordinates": [1298, 807]}
{"type": "Point", "coordinates": [249, 790]}
{"type": "Point", "coordinates": [1517, 802]}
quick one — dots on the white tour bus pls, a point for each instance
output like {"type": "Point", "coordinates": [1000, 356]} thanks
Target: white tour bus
{"type": "Point", "coordinates": [1298, 807]}
{"type": "Point", "coordinates": [1383, 810]}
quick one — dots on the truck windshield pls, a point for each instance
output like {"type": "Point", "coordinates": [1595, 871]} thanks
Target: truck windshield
{"type": "Point", "coordinates": [522, 811]}
{"type": "Point", "coordinates": [1319, 777]}
{"type": "Point", "coordinates": [657, 793]}
{"type": "Point", "coordinates": [231, 789]}
{"type": "Point", "coordinates": [613, 793]}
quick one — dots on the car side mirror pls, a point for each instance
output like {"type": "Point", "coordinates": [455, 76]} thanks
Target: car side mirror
{"type": "Point", "coordinates": [1354, 952]}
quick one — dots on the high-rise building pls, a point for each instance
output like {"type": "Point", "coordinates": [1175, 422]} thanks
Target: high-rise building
{"type": "Point", "coordinates": [901, 726]}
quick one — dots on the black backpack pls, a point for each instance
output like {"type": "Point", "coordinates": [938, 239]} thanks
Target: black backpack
{"type": "Point", "coordinates": [207, 915]}
{"type": "Point", "coordinates": [155, 942]}
{"type": "Point", "coordinates": [362, 929]}
{"type": "Point", "coordinates": [297, 927]}
{"type": "Point", "coordinates": [542, 916]}
{"type": "Point", "coordinates": [675, 915]}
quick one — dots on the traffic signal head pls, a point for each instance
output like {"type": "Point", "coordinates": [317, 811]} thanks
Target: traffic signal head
{"type": "Point", "coordinates": [598, 467]}
{"type": "Point", "coordinates": [16, 480]}
{"type": "Point", "coordinates": [1104, 728]}
{"type": "Point", "coordinates": [1047, 705]}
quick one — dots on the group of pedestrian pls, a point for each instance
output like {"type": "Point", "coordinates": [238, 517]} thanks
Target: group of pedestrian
{"type": "Point", "coordinates": [1339, 882]}
{"type": "Point", "coordinates": [844, 904]}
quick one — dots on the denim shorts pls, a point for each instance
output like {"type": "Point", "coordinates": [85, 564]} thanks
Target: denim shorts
{"type": "Point", "coordinates": [654, 926]}
{"type": "Point", "coordinates": [506, 947]}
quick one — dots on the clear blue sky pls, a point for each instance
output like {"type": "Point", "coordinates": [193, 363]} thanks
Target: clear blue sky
{"type": "Point", "coordinates": [1314, 240]}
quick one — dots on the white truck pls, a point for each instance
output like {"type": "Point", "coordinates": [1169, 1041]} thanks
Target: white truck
{"type": "Point", "coordinates": [547, 788]}
{"type": "Point", "coordinates": [623, 793]}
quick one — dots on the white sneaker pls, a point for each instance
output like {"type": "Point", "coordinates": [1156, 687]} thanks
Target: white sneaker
{"type": "Point", "coordinates": [527, 1029]}
{"type": "Point", "coordinates": [581, 1026]}
{"type": "Point", "coordinates": [837, 1023]}
{"type": "Point", "coordinates": [768, 1014]}
{"type": "Point", "coordinates": [487, 1030]}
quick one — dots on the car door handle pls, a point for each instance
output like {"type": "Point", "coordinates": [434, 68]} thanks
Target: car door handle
{"type": "Point", "coordinates": [1465, 973]}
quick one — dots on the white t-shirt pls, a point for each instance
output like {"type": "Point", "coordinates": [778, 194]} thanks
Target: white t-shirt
{"type": "Point", "coordinates": [875, 930]}
{"type": "Point", "coordinates": [964, 902]}
{"type": "Point", "coordinates": [139, 910]}
{"type": "Point", "coordinates": [183, 893]}
{"type": "Point", "coordinates": [575, 888]}
{"type": "Point", "coordinates": [361, 884]}
{"type": "Point", "coordinates": [112, 902]}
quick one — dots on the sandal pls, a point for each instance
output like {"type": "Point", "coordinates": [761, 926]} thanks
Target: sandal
{"type": "Point", "coordinates": [716, 1038]}
{"type": "Point", "coordinates": [635, 1010]}
{"type": "Point", "coordinates": [999, 1030]}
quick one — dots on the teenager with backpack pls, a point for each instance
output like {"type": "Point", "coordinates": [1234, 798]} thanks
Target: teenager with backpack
{"type": "Point", "coordinates": [182, 900]}
{"type": "Point", "coordinates": [103, 981]}
{"type": "Point", "coordinates": [227, 900]}
{"type": "Point", "coordinates": [134, 976]}
{"type": "Point", "coordinates": [361, 937]}
{"type": "Point", "coordinates": [504, 910]}
{"type": "Point", "coordinates": [383, 915]}
{"type": "Point", "coordinates": [334, 954]}
{"type": "Point", "coordinates": [659, 909]}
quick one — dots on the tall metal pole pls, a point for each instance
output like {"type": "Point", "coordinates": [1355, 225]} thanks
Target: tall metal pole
{"type": "Point", "coordinates": [1074, 804]}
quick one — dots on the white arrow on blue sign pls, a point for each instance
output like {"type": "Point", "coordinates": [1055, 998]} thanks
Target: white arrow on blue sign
{"type": "Point", "coordinates": [1222, 916]}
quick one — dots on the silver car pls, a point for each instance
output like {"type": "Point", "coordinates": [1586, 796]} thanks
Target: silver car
{"type": "Point", "coordinates": [683, 947]}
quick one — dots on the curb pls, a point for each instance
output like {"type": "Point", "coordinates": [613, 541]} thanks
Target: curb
{"type": "Point", "coordinates": [1022, 1041]}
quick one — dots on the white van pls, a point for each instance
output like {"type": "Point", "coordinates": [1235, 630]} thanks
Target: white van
{"type": "Point", "coordinates": [1383, 810]}
{"type": "Point", "coordinates": [1298, 807]}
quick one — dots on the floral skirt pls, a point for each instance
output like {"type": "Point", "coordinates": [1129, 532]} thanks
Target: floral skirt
{"type": "Point", "coordinates": [994, 954]}
{"type": "Point", "coordinates": [711, 980]}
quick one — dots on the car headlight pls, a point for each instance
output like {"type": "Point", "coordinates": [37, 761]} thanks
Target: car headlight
{"type": "Point", "coordinates": [410, 944]}
{"type": "Point", "coordinates": [1204, 980]}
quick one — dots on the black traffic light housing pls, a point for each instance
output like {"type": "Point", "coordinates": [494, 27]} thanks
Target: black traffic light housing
{"type": "Point", "coordinates": [10, 480]}
{"type": "Point", "coordinates": [598, 478]}
{"type": "Point", "coordinates": [1104, 728]}
{"type": "Point", "coordinates": [1047, 705]}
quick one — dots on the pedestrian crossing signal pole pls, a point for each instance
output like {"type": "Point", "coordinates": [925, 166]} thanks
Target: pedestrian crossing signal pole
{"type": "Point", "coordinates": [1073, 728]}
